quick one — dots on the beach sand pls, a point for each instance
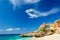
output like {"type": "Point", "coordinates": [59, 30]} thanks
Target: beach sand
{"type": "Point", "coordinates": [51, 37]}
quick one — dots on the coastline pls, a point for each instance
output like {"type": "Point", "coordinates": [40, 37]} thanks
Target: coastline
{"type": "Point", "coordinates": [50, 37]}
{"type": "Point", "coordinates": [45, 32]}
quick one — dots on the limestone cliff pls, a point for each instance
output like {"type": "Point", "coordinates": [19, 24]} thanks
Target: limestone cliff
{"type": "Point", "coordinates": [45, 29]}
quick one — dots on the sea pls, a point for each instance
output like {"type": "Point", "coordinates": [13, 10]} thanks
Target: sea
{"type": "Point", "coordinates": [12, 37]}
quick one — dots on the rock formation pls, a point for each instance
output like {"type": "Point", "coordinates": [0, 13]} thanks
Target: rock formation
{"type": "Point", "coordinates": [45, 30]}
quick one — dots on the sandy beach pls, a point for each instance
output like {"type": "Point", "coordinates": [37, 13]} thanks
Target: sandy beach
{"type": "Point", "coordinates": [51, 37]}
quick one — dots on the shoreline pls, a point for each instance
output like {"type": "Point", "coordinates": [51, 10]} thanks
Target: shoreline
{"type": "Point", "coordinates": [45, 32]}
{"type": "Point", "coordinates": [50, 37]}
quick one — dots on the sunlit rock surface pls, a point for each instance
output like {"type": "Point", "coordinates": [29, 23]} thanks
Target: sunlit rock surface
{"type": "Point", "coordinates": [45, 30]}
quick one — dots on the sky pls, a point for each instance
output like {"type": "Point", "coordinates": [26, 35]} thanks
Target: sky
{"type": "Point", "coordinates": [22, 16]}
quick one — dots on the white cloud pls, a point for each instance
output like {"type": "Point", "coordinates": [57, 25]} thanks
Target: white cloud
{"type": "Point", "coordinates": [17, 29]}
{"type": "Point", "coordinates": [13, 29]}
{"type": "Point", "coordinates": [9, 29]}
{"type": "Point", "coordinates": [15, 3]}
{"type": "Point", "coordinates": [31, 1]}
{"type": "Point", "coordinates": [37, 13]}
{"type": "Point", "coordinates": [29, 12]}
{"type": "Point", "coordinates": [22, 2]}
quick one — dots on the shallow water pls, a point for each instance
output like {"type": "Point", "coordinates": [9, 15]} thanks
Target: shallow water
{"type": "Point", "coordinates": [13, 37]}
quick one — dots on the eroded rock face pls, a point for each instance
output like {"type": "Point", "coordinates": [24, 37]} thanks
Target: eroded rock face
{"type": "Point", "coordinates": [45, 29]}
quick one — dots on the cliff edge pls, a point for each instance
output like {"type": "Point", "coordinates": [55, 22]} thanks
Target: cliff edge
{"type": "Point", "coordinates": [45, 30]}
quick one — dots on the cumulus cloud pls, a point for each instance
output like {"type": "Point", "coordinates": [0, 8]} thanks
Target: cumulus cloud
{"type": "Point", "coordinates": [35, 13]}
{"type": "Point", "coordinates": [13, 29]}
{"type": "Point", "coordinates": [22, 2]}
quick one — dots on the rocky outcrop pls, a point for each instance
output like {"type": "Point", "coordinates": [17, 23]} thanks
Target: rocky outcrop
{"type": "Point", "coordinates": [45, 30]}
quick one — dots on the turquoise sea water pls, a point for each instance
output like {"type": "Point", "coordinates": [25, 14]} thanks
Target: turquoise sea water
{"type": "Point", "coordinates": [13, 37]}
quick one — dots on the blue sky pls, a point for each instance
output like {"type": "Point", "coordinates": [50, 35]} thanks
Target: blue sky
{"type": "Point", "coordinates": [21, 16]}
